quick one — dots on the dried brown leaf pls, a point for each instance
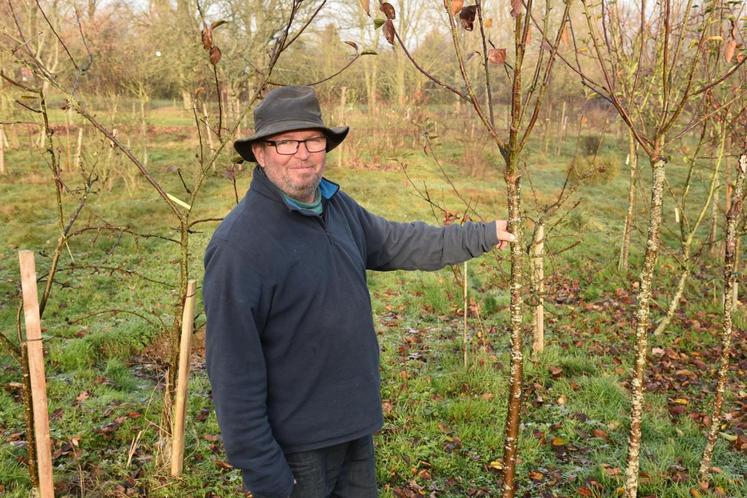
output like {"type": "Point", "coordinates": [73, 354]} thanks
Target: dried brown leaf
{"type": "Point", "coordinates": [207, 38]}
{"type": "Point", "coordinates": [536, 475]}
{"type": "Point", "coordinates": [601, 434]}
{"type": "Point", "coordinates": [215, 55]}
{"type": "Point", "coordinates": [729, 49]}
{"type": "Point", "coordinates": [389, 31]}
{"type": "Point", "coordinates": [611, 471]}
{"type": "Point", "coordinates": [388, 10]}
{"type": "Point", "coordinates": [456, 6]}
{"type": "Point", "coordinates": [467, 17]}
{"type": "Point", "coordinates": [498, 56]}
{"type": "Point", "coordinates": [387, 407]}
{"type": "Point", "coordinates": [558, 442]}
{"type": "Point", "coordinates": [352, 44]}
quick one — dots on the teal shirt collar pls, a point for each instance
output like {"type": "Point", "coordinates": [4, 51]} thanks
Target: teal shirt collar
{"type": "Point", "coordinates": [325, 191]}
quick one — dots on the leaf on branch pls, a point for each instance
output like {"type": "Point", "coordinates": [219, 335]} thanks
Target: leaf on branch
{"type": "Point", "coordinates": [389, 31]}
{"type": "Point", "coordinates": [218, 23]}
{"type": "Point", "coordinates": [366, 6]}
{"type": "Point", "coordinates": [497, 56]}
{"type": "Point", "coordinates": [729, 48]}
{"type": "Point", "coordinates": [456, 6]}
{"type": "Point", "coordinates": [215, 55]}
{"type": "Point", "coordinates": [369, 52]}
{"type": "Point", "coordinates": [207, 38]}
{"type": "Point", "coordinates": [516, 8]}
{"type": "Point", "coordinates": [388, 10]}
{"type": "Point", "coordinates": [467, 16]}
{"type": "Point", "coordinates": [352, 44]}
{"type": "Point", "coordinates": [379, 22]}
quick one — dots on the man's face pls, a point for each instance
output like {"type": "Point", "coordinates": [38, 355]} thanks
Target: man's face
{"type": "Point", "coordinates": [297, 174]}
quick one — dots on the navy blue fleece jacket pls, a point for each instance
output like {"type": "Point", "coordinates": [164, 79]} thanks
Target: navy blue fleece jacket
{"type": "Point", "coordinates": [292, 353]}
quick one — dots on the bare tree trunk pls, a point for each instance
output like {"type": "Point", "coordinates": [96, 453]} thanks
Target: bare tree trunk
{"type": "Point", "coordinates": [400, 80]}
{"type": "Point", "coordinates": [511, 443]}
{"type": "Point", "coordinates": [628, 230]}
{"type": "Point", "coordinates": [562, 129]}
{"type": "Point", "coordinates": [208, 131]}
{"type": "Point", "coordinates": [538, 288]}
{"type": "Point", "coordinates": [144, 130]}
{"type": "Point", "coordinates": [730, 280]}
{"type": "Point", "coordinates": [41, 142]}
{"type": "Point", "coordinates": [369, 72]}
{"type": "Point", "coordinates": [186, 100]}
{"type": "Point", "coordinates": [237, 114]}
{"type": "Point", "coordinates": [642, 322]}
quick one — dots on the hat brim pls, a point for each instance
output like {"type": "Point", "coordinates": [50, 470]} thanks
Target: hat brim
{"type": "Point", "coordinates": [335, 136]}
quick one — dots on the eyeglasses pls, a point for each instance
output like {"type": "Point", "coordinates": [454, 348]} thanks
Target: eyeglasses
{"type": "Point", "coordinates": [290, 147]}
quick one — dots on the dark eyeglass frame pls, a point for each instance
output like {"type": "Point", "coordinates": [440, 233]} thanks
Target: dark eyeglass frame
{"type": "Point", "coordinates": [275, 144]}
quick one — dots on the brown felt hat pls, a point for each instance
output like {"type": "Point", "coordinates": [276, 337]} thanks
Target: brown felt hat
{"type": "Point", "coordinates": [288, 108]}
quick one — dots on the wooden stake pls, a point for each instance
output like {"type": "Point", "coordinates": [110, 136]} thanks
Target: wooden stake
{"type": "Point", "coordinates": [208, 132]}
{"type": "Point", "coordinates": [36, 371]}
{"type": "Point", "coordinates": [177, 448]}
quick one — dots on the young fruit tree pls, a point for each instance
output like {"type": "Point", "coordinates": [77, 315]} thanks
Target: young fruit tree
{"type": "Point", "coordinates": [528, 85]}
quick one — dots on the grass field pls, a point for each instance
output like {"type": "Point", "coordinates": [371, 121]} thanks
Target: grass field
{"type": "Point", "coordinates": [443, 434]}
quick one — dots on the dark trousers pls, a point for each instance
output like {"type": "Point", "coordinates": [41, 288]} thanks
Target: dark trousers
{"type": "Point", "coordinates": [346, 470]}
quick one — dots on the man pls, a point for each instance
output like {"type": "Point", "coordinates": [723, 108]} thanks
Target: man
{"type": "Point", "coordinates": [292, 353]}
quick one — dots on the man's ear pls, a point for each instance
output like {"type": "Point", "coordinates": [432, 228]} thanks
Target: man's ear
{"type": "Point", "coordinates": [259, 152]}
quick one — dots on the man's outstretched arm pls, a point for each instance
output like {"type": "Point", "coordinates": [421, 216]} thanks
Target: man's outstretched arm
{"type": "Point", "coordinates": [418, 246]}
